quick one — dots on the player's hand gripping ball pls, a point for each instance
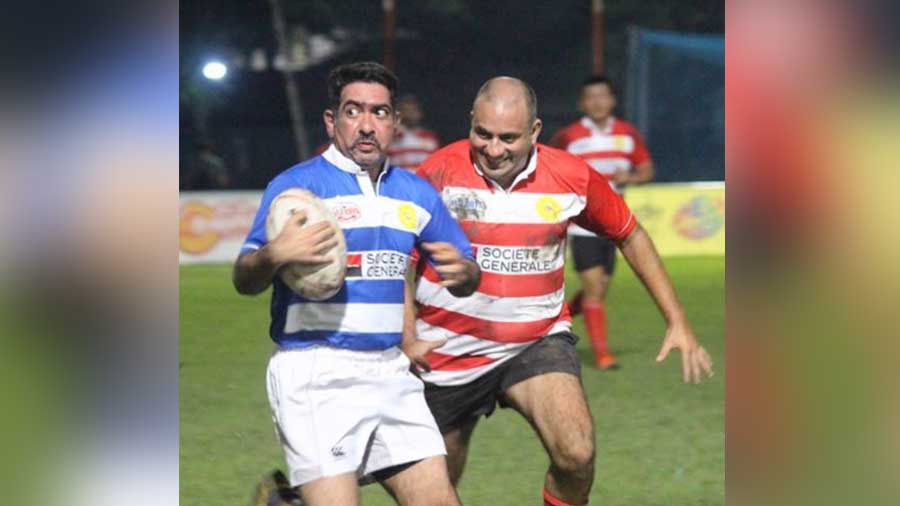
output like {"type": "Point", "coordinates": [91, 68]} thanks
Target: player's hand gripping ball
{"type": "Point", "coordinates": [315, 282]}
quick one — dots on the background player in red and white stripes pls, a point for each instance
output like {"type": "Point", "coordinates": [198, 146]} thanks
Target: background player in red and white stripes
{"type": "Point", "coordinates": [510, 342]}
{"type": "Point", "coordinates": [615, 149]}
{"type": "Point", "coordinates": [412, 142]}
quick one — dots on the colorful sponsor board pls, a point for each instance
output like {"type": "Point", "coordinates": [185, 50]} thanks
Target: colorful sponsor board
{"type": "Point", "coordinates": [682, 218]}
{"type": "Point", "coordinates": [212, 225]}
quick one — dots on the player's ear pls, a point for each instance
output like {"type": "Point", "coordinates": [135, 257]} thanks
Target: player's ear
{"type": "Point", "coordinates": [536, 130]}
{"type": "Point", "coordinates": [328, 118]}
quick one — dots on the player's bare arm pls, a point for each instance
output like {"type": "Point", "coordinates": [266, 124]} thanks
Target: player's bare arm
{"type": "Point", "coordinates": [458, 274]}
{"type": "Point", "coordinates": [253, 272]}
{"type": "Point", "coordinates": [641, 254]}
{"type": "Point", "coordinates": [412, 346]}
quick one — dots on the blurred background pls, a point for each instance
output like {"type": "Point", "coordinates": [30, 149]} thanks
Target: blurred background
{"type": "Point", "coordinates": [238, 128]}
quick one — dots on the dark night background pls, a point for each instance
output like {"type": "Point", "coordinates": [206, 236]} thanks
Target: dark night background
{"type": "Point", "coordinates": [444, 49]}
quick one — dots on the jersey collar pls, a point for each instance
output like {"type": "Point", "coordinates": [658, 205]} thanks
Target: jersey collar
{"type": "Point", "coordinates": [336, 158]}
{"type": "Point", "coordinates": [594, 128]}
{"type": "Point", "coordinates": [529, 169]}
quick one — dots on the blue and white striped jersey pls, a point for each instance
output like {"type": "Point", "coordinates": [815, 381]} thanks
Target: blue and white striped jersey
{"type": "Point", "coordinates": [382, 224]}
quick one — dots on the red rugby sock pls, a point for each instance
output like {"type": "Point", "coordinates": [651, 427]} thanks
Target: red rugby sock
{"type": "Point", "coordinates": [550, 500]}
{"type": "Point", "coordinates": [595, 321]}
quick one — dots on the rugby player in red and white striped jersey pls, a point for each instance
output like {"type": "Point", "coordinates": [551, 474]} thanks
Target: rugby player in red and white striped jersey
{"type": "Point", "coordinates": [412, 143]}
{"type": "Point", "coordinates": [510, 342]}
{"type": "Point", "coordinates": [615, 149]}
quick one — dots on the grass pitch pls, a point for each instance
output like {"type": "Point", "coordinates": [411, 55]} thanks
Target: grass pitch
{"type": "Point", "coordinates": [659, 442]}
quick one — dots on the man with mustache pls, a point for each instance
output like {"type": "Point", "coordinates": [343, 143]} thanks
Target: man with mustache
{"type": "Point", "coordinates": [510, 343]}
{"type": "Point", "coordinates": [343, 399]}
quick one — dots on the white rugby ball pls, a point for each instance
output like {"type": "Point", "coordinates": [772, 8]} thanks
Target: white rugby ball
{"type": "Point", "coordinates": [316, 282]}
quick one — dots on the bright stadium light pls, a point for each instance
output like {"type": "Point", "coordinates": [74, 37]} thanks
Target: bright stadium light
{"type": "Point", "coordinates": [214, 70]}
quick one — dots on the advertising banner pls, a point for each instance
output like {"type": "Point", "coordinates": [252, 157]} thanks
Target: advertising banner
{"type": "Point", "coordinates": [213, 225]}
{"type": "Point", "coordinates": [682, 218]}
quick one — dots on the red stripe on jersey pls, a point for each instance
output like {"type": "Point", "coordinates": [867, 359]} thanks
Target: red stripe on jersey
{"type": "Point", "coordinates": [444, 362]}
{"type": "Point", "coordinates": [354, 260]}
{"type": "Point", "coordinates": [498, 332]}
{"type": "Point", "coordinates": [514, 234]}
{"type": "Point", "coordinates": [519, 285]}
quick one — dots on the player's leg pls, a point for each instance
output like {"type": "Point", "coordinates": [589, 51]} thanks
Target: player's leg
{"type": "Point", "coordinates": [334, 490]}
{"type": "Point", "coordinates": [324, 404]}
{"type": "Point", "coordinates": [457, 442]}
{"type": "Point", "coordinates": [595, 261]}
{"type": "Point", "coordinates": [456, 411]}
{"type": "Point", "coordinates": [407, 453]}
{"type": "Point", "coordinates": [423, 483]}
{"type": "Point", "coordinates": [546, 389]}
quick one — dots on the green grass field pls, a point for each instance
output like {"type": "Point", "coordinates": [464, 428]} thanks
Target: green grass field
{"type": "Point", "coordinates": [659, 442]}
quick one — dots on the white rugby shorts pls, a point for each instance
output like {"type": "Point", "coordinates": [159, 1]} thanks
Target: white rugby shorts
{"type": "Point", "coordinates": [338, 411]}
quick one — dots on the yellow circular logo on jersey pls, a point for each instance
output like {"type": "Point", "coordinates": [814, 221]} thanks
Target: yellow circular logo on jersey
{"type": "Point", "coordinates": [548, 208]}
{"type": "Point", "coordinates": [408, 217]}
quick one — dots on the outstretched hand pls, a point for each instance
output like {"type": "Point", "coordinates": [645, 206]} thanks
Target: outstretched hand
{"type": "Point", "coordinates": [695, 361]}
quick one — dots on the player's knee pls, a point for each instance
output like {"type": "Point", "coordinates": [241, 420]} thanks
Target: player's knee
{"type": "Point", "coordinates": [445, 497]}
{"type": "Point", "coordinates": [576, 457]}
{"type": "Point", "coordinates": [593, 295]}
{"type": "Point", "coordinates": [594, 291]}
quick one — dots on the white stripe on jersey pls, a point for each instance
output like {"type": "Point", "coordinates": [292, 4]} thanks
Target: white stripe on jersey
{"type": "Point", "coordinates": [606, 143]}
{"type": "Point", "coordinates": [463, 344]}
{"type": "Point", "coordinates": [358, 211]}
{"type": "Point", "coordinates": [515, 207]}
{"type": "Point", "coordinates": [469, 345]}
{"type": "Point", "coordinates": [363, 318]}
{"type": "Point", "coordinates": [377, 264]}
{"type": "Point", "coordinates": [609, 165]}
{"type": "Point", "coordinates": [486, 307]}
{"type": "Point", "coordinates": [520, 260]}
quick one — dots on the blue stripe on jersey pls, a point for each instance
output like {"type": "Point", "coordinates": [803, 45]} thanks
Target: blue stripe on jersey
{"type": "Point", "coordinates": [322, 178]}
{"type": "Point", "coordinates": [351, 340]}
{"type": "Point", "coordinates": [360, 291]}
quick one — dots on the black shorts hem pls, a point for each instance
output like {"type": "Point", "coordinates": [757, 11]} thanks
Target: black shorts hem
{"type": "Point", "coordinates": [459, 405]}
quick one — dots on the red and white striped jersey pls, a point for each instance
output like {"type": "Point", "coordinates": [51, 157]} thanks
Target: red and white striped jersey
{"type": "Point", "coordinates": [519, 238]}
{"type": "Point", "coordinates": [613, 147]}
{"type": "Point", "coordinates": [411, 146]}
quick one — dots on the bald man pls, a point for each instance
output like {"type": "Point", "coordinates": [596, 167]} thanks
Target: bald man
{"type": "Point", "coordinates": [511, 342]}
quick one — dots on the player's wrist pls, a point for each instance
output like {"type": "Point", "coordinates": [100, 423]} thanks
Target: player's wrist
{"type": "Point", "coordinates": [677, 319]}
{"type": "Point", "coordinates": [272, 256]}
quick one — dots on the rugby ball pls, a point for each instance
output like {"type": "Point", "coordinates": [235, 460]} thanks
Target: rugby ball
{"type": "Point", "coordinates": [315, 282]}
